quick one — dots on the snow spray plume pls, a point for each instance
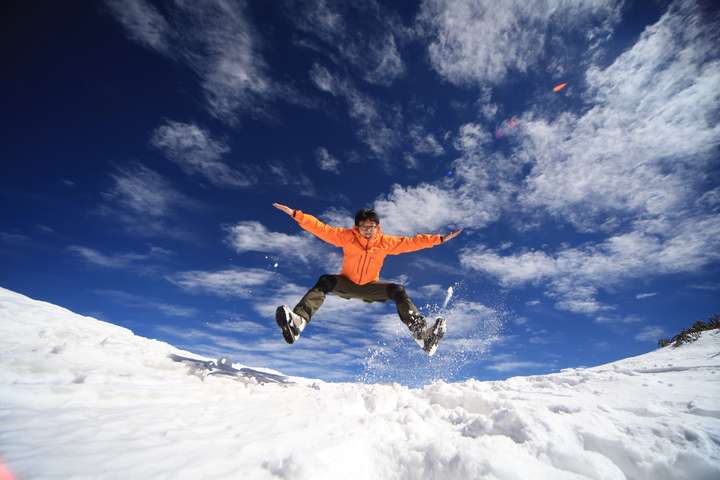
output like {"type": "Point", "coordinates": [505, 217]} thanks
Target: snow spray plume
{"type": "Point", "coordinates": [473, 328]}
{"type": "Point", "coordinates": [448, 296]}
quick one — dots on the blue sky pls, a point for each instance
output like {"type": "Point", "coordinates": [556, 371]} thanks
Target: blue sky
{"type": "Point", "coordinates": [144, 143]}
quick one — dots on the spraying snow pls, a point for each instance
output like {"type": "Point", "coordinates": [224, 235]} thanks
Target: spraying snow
{"type": "Point", "coordinates": [473, 329]}
{"type": "Point", "coordinates": [448, 296]}
{"type": "Point", "coordinates": [80, 398]}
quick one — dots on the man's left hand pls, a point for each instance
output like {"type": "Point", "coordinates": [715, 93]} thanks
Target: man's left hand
{"type": "Point", "coordinates": [452, 235]}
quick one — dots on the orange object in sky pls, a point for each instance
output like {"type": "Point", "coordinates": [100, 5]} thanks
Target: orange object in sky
{"type": "Point", "coordinates": [5, 473]}
{"type": "Point", "coordinates": [559, 87]}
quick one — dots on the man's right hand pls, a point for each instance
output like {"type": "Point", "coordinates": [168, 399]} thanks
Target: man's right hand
{"type": "Point", "coordinates": [284, 208]}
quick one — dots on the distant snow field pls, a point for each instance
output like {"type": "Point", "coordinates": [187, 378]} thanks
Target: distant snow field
{"type": "Point", "coordinates": [80, 398]}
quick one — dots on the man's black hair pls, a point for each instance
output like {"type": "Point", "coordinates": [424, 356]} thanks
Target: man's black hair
{"type": "Point", "coordinates": [366, 214]}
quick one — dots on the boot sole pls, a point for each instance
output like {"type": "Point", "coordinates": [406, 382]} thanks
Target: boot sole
{"type": "Point", "coordinates": [282, 322]}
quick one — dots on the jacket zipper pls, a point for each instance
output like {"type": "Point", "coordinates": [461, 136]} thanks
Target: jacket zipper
{"type": "Point", "coordinates": [367, 244]}
{"type": "Point", "coordinates": [367, 265]}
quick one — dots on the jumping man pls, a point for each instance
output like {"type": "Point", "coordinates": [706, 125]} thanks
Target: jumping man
{"type": "Point", "coordinates": [364, 250]}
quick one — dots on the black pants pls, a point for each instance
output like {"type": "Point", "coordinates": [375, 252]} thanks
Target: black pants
{"type": "Point", "coordinates": [370, 292]}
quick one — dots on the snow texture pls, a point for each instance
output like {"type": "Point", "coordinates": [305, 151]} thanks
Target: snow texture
{"type": "Point", "coordinates": [80, 398]}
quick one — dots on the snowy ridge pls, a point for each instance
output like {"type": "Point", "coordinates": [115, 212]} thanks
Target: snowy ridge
{"type": "Point", "coordinates": [80, 398]}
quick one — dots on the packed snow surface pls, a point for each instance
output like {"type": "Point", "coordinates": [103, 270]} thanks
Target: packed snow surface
{"type": "Point", "coordinates": [80, 398]}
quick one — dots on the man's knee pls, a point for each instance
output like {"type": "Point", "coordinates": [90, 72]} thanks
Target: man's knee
{"type": "Point", "coordinates": [396, 292]}
{"type": "Point", "coordinates": [326, 283]}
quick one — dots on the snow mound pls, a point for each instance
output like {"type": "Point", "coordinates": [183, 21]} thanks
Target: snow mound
{"type": "Point", "coordinates": [80, 398]}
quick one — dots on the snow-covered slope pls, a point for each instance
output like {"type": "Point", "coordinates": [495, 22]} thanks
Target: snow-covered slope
{"type": "Point", "coordinates": [80, 398]}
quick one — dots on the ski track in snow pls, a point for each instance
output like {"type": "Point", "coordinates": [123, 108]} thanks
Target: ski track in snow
{"type": "Point", "coordinates": [80, 398]}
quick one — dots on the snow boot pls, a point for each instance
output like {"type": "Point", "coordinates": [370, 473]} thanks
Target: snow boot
{"type": "Point", "coordinates": [427, 337]}
{"type": "Point", "coordinates": [290, 322]}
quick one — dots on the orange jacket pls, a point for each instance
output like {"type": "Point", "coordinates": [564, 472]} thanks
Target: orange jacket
{"type": "Point", "coordinates": [363, 258]}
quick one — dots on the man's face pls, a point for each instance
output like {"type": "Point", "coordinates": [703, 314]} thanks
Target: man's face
{"type": "Point", "coordinates": [367, 228]}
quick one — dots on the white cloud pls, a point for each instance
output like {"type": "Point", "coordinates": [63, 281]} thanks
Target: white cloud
{"type": "Point", "coordinates": [433, 290]}
{"type": "Point", "coordinates": [371, 50]}
{"type": "Point", "coordinates": [141, 301]}
{"type": "Point", "coordinates": [581, 305]}
{"type": "Point", "coordinates": [96, 258]}
{"type": "Point", "coordinates": [388, 62]}
{"type": "Point", "coordinates": [641, 296]}
{"type": "Point", "coordinates": [425, 143]}
{"type": "Point", "coordinates": [427, 208]}
{"type": "Point", "coordinates": [143, 23]}
{"type": "Point", "coordinates": [646, 143]}
{"type": "Point", "coordinates": [197, 153]}
{"type": "Point", "coordinates": [338, 217]}
{"type": "Point", "coordinates": [518, 365]}
{"type": "Point", "coordinates": [618, 319]}
{"type": "Point", "coordinates": [175, 310]}
{"type": "Point", "coordinates": [709, 201]}
{"type": "Point", "coordinates": [324, 80]}
{"type": "Point", "coordinates": [511, 269]}
{"type": "Point", "coordinates": [251, 236]}
{"type": "Point", "coordinates": [143, 201]}
{"type": "Point", "coordinates": [144, 191]}
{"type": "Point", "coordinates": [375, 131]}
{"type": "Point", "coordinates": [651, 333]}
{"type": "Point", "coordinates": [472, 136]}
{"type": "Point", "coordinates": [14, 239]}
{"type": "Point", "coordinates": [424, 263]}
{"type": "Point", "coordinates": [489, 110]}
{"type": "Point", "coordinates": [411, 162]}
{"type": "Point", "coordinates": [326, 161]}
{"type": "Point", "coordinates": [294, 178]}
{"type": "Point", "coordinates": [119, 260]}
{"type": "Point", "coordinates": [633, 165]}
{"type": "Point", "coordinates": [216, 40]}
{"type": "Point", "coordinates": [574, 275]}
{"type": "Point", "coordinates": [481, 41]}
{"type": "Point", "coordinates": [706, 286]}
{"type": "Point", "coordinates": [236, 282]}
{"type": "Point", "coordinates": [245, 327]}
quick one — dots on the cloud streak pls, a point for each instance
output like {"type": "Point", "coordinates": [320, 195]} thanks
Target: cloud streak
{"type": "Point", "coordinates": [234, 282]}
{"type": "Point", "coordinates": [193, 149]}
{"type": "Point", "coordinates": [376, 126]}
{"type": "Point", "coordinates": [326, 161]}
{"type": "Point", "coordinates": [333, 31]}
{"type": "Point", "coordinates": [252, 236]}
{"type": "Point", "coordinates": [575, 274]}
{"type": "Point", "coordinates": [138, 301]}
{"type": "Point", "coordinates": [136, 261]}
{"type": "Point", "coordinates": [144, 202]}
{"type": "Point", "coordinates": [217, 41]}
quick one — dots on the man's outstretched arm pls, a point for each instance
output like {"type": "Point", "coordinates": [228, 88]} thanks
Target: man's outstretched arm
{"type": "Point", "coordinates": [418, 242]}
{"type": "Point", "coordinates": [332, 235]}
